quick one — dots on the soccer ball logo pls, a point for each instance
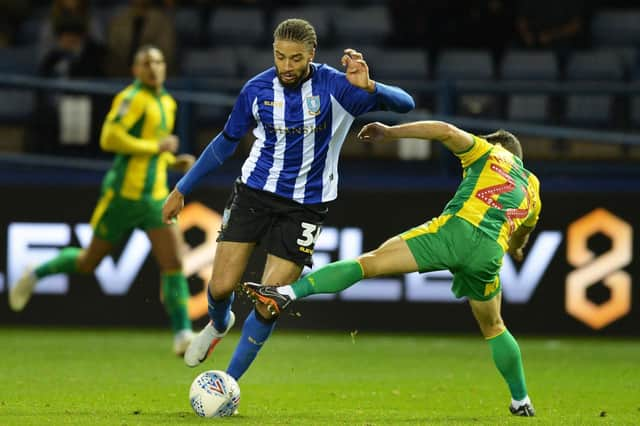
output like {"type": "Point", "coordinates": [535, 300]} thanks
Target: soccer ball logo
{"type": "Point", "coordinates": [214, 393]}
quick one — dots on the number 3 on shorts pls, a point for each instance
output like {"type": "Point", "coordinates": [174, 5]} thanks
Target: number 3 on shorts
{"type": "Point", "coordinates": [310, 233]}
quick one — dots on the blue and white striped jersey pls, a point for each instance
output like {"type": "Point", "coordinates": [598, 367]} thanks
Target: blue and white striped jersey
{"type": "Point", "coordinates": [299, 131]}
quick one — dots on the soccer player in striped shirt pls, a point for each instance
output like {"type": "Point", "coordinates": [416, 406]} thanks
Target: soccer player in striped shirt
{"type": "Point", "coordinates": [138, 130]}
{"type": "Point", "coordinates": [494, 210]}
{"type": "Point", "coordinates": [300, 112]}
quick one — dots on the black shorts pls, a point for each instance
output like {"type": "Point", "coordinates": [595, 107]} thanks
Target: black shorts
{"type": "Point", "coordinates": [285, 228]}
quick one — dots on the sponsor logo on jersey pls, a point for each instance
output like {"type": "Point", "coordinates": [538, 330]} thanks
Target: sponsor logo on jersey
{"type": "Point", "coordinates": [273, 103]}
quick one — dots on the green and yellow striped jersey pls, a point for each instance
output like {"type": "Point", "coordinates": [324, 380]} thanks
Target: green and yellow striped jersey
{"type": "Point", "coordinates": [497, 194]}
{"type": "Point", "coordinates": [138, 120]}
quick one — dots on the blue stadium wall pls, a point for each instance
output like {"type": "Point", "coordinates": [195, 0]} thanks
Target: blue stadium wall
{"type": "Point", "coordinates": [578, 276]}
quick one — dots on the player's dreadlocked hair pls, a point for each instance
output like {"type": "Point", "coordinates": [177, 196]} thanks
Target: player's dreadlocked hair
{"type": "Point", "coordinates": [296, 30]}
{"type": "Point", "coordinates": [507, 140]}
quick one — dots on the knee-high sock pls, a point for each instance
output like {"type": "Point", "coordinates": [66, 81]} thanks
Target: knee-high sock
{"type": "Point", "coordinates": [219, 311]}
{"type": "Point", "coordinates": [65, 262]}
{"type": "Point", "coordinates": [176, 298]}
{"type": "Point", "coordinates": [332, 278]}
{"type": "Point", "coordinates": [255, 331]}
{"type": "Point", "coordinates": [506, 356]}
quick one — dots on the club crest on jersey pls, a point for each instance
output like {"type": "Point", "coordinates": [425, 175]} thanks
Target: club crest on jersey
{"type": "Point", "coordinates": [124, 107]}
{"type": "Point", "coordinates": [313, 104]}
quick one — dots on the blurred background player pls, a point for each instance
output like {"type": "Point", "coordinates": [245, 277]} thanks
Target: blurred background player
{"type": "Point", "coordinates": [494, 210]}
{"type": "Point", "coordinates": [138, 130]}
{"type": "Point", "coordinates": [302, 112]}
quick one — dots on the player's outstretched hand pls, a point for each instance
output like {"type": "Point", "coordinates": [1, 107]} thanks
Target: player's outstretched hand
{"type": "Point", "coordinates": [173, 205]}
{"type": "Point", "coordinates": [357, 70]}
{"type": "Point", "coordinates": [374, 132]}
{"type": "Point", "coordinates": [183, 162]}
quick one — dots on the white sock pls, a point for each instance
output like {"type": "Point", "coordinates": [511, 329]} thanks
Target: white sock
{"type": "Point", "coordinates": [181, 333]}
{"type": "Point", "coordinates": [521, 402]}
{"type": "Point", "coordinates": [287, 290]}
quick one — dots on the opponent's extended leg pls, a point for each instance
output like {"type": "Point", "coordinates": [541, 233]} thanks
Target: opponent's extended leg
{"type": "Point", "coordinates": [392, 257]}
{"type": "Point", "coordinates": [269, 296]}
{"type": "Point", "coordinates": [332, 278]}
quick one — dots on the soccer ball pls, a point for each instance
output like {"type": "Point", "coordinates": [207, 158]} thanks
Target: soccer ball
{"type": "Point", "coordinates": [214, 393]}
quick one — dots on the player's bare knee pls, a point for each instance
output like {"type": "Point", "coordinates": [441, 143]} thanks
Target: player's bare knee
{"type": "Point", "coordinates": [86, 265]}
{"type": "Point", "coordinates": [368, 263]}
{"type": "Point", "coordinates": [492, 328]}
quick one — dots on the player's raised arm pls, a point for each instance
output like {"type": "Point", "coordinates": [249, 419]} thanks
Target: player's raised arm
{"type": "Point", "coordinates": [357, 70]}
{"type": "Point", "coordinates": [456, 140]}
{"type": "Point", "coordinates": [390, 97]}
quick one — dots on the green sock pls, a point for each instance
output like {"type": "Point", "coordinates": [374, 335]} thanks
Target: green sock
{"type": "Point", "coordinates": [506, 356]}
{"type": "Point", "coordinates": [176, 297]}
{"type": "Point", "coordinates": [332, 278]}
{"type": "Point", "coordinates": [64, 262]}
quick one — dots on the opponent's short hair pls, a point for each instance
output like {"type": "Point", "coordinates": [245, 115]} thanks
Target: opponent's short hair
{"type": "Point", "coordinates": [145, 48]}
{"type": "Point", "coordinates": [507, 140]}
{"type": "Point", "coordinates": [296, 30]}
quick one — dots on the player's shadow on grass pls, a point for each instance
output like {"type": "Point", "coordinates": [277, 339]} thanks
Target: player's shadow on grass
{"type": "Point", "coordinates": [182, 418]}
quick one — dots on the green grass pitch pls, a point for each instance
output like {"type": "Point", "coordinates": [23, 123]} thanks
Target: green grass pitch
{"type": "Point", "coordinates": [129, 377]}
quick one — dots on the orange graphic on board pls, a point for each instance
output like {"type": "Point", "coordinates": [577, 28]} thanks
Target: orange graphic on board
{"type": "Point", "coordinates": [605, 268]}
{"type": "Point", "coordinates": [199, 260]}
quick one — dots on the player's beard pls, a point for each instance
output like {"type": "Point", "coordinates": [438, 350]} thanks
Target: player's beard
{"type": "Point", "coordinates": [290, 84]}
